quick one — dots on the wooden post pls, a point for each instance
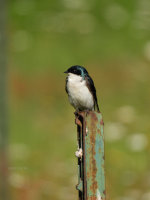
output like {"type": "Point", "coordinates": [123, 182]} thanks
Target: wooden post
{"type": "Point", "coordinates": [91, 183]}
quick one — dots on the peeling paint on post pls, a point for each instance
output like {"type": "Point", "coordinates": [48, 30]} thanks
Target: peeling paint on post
{"type": "Point", "coordinates": [91, 182]}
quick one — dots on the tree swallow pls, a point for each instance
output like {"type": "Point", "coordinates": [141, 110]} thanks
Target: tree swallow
{"type": "Point", "coordinates": [80, 89]}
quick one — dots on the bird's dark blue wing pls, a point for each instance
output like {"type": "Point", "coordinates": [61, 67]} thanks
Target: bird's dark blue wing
{"type": "Point", "coordinates": [66, 84]}
{"type": "Point", "coordinates": [91, 87]}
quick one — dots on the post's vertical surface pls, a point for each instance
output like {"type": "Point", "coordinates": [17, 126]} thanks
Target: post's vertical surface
{"type": "Point", "coordinates": [91, 165]}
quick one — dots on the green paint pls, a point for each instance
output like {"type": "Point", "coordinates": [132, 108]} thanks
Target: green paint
{"type": "Point", "coordinates": [93, 159]}
{"type": "Point", "coordinates": [80, 185]}
{"type": "Point", "coordinates": [94, 153]}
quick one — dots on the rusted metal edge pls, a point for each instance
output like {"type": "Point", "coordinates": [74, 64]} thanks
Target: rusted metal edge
{"type": "Point", "coordinates": [91, 121]}
{"type": "Point", "coordinates": [79, 186]}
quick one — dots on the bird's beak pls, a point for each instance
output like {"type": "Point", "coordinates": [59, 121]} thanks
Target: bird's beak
{"type": "Point", "coordinates": [66, 72]}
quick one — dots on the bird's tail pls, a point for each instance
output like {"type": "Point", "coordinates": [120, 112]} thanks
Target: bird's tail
{"type": "Point", "coordinates": [97, 107]}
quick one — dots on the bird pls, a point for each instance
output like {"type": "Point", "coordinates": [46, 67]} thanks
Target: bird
{"type": "Point", "coordinates": [80, 89]}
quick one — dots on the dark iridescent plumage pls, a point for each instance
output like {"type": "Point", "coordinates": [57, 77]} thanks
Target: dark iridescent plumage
{"type": "Point", "coordinates": [91, 87]}
{"type": "Point", "coordinates": [81, 71]}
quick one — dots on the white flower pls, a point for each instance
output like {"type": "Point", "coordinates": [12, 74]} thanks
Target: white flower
{"type": "Point", "coordinates": [137, 142]}
{"type": "Point", "coordinates": [126, 114]}
{"type": "Point", "coordinates": [114, 131]}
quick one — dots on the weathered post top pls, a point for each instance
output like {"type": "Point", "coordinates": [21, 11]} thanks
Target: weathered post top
{"type": "Point", "coordinates": [91, 183]}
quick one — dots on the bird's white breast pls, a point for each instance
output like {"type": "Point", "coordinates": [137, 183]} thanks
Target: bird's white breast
{"type": "Point", "coordinates": [79, 95]}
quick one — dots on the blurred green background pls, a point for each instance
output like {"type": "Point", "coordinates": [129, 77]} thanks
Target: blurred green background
{"type": "Point", "coordinates": [112, 40]}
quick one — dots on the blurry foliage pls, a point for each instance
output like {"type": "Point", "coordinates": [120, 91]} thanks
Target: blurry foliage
{"type": "Point", "coordinates": [112, 40]}
{"type": "Point", "coordinates": [76, 31]}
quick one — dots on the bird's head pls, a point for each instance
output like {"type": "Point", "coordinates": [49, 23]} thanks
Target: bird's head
{"type": "Point", "coordinates": [77, 70]}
